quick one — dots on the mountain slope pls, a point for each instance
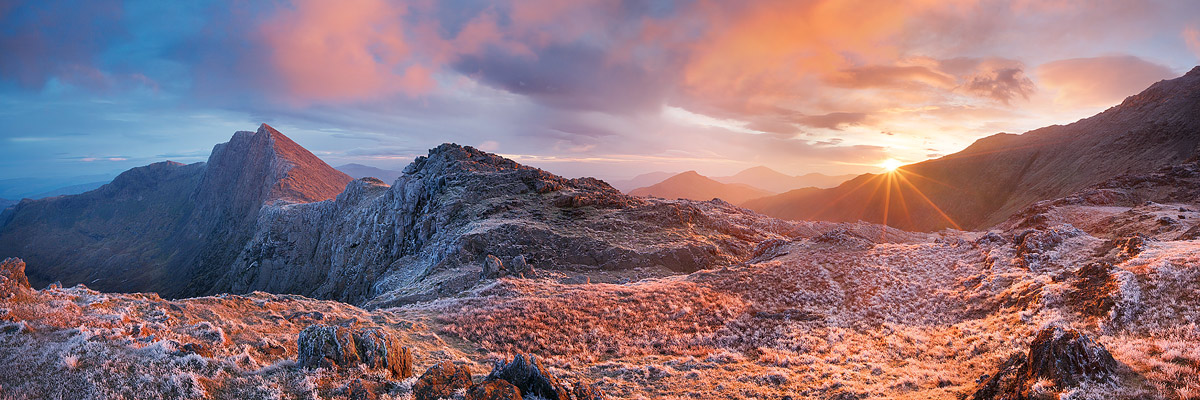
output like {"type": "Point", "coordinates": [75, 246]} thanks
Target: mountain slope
{"type": "Point", "coordinates": [692, 185]}
{"type": "Point", "coordinates": [1001, 174]}
{"type": "Point", "coordinates": [774, 181]}
{"type": "Point", "coordinates": [164, 226]}
{"type": "Point", "coordinates": [458, 210]}
{"type": "Point", "coordinates": [358, 171]}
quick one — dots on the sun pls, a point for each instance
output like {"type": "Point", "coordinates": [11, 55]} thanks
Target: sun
{"type": "Point", "coordinates": [890, 164]}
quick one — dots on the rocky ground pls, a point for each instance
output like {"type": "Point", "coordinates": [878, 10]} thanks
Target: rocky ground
{"type": "Point", "coordinates": [849, 314]}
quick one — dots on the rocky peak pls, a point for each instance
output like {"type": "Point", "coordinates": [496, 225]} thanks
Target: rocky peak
{"type": "Point", "coordinates": [450, 158]}
{"type": "Point", "coordinates": [265, 166]}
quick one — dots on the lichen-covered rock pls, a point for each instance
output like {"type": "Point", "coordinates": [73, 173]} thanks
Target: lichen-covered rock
{"type": "Point", "coordinates": [340, 346]}
{"type": "Point", "coordinates": [1064, 357]}
{"type": "Point", "coordinates": [442, 380]}
{"type": "Point", "coordinates": [498, 389]}
{"type": "Point", "coordinates": [528, 374]}
{"type": "Point", "coordinates": [12, 277]}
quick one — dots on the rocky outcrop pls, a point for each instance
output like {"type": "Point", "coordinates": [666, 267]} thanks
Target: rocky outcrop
{"type": "Point", "coordinates": [12, 278]}
{"type": "Point", "coordinates": [441, 381]}
{"type": "Point", "coordinates": [1064, 357]}
{"type": "Point", "coordinates": [528, 374]}
{"type": "Point", "coordinates": [340, 346]}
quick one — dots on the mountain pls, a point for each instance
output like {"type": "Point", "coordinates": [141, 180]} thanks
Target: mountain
{"type": "Point", "coordinates": [777, 182]}
{"type": "Point", "coordinates": [643, 180]}
{"type": "Point", "coordinates": [166, 227]}
{"type": "Point", "coordinates": [265, 214]}
{"type": "Point", "coordinates": [36, 188]}
{"type": "Point", "coordinates": [358, 171]}
{"type": "Point", "coordinates": [6, 203]}
{"type": "Point", "coordinates": [1001, 174]}
{"type": "Point", "coordinates": [72, 189]}
{"type": "Point", "coordinates": [692, 185]}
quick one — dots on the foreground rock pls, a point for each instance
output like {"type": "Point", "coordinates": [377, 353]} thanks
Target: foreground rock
{"type": "Point", "coordinates": [12, 278]}
{"type": "Point", "coordinates": [529, 375]}
{"type": "Point", "coordinates": [1063, 357]}
{"type": "Point", "coordinates": [442, 380]}
{"type": "Point", "coordinates": [340, 346]}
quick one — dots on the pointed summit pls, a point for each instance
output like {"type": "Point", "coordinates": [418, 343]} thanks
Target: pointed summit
{"type": "Point", "coordinates": [692, 185]}
{"type": "Point", "coordinates": [266, 165]}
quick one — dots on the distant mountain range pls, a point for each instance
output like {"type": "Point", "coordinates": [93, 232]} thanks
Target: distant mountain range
{"type": "Point", "coordinates": [691, 185]}
{"type": "Point", "coordinates": [777, 182]}
{"type": "Point", "coordinates": [749, 184]}
{"type": "Point", "coordinates": [640, 181]}
{"type": "Point", "coordinates": [36, 188]}
{"type": "Point", "coordinates": [1001, 174]}
{"type": "Point", "coordinates": [358, 171]}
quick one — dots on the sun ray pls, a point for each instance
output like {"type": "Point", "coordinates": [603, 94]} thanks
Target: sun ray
{"type": "Point", "coordinates": [931, 204]}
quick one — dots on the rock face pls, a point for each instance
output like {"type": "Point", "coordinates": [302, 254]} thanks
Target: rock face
{"type": "Point", "coordinates": [1001, 174]}
{"type": "Point", "coordinates": [12, 277]}
{"type": "Point", "coordinates": [339, 346]}
{"type": "Point", "coordinates": [441, 381]}
{"type": "Point", "coordinates": [166, 227]}
{"type": "Point", "coordinates": [1064, 357]}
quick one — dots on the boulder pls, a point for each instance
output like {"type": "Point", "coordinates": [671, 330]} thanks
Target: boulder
{"type": "Point", "coordinates": [518, 265]}
{"type": "Point", "coordinates": [492, 267]}
{"type": "Point", "coordinates": [531, 377]}
{"type": "Point", "coordinates": [12, 277]}
{"type": "Point", "coordinates": [494, 390]}
{"type": "Point", "coordinates": [442, 380]}
{"type": "Point", "coordinates": [1064, 357]}
{"type": "Point", "coordinates": [341, 346]}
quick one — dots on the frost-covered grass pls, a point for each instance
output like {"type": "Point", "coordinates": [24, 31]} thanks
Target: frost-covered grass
{"type": "Point", "coordinates": [913, 319]}
{"type": "Point", "coordinates": [78, 343]}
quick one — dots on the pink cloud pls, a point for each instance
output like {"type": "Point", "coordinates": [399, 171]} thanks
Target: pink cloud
{"type": "Point", "coordinates": [1191, 36]}
{"type": "Point", "coordinates": [347, 50]}
{"type": "Point", "coordinates": [1099, 81]}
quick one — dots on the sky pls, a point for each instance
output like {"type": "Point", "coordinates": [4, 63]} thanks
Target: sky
{"type": "Point", "coordinates": [609, 89]}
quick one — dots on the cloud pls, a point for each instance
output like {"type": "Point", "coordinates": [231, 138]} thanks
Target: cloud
{"type": "Point", "coordinates": [1002, 84]}
{"type": "Point", "coordinates": [41, 40]}
{"type": "Point", "coordinates": [1191, 36]}
{"type": "Point", "coordinates": [346, 50]}
{"type": "Point", "coordinates": [834, 121]}
{"type": "Point", "coordinates": [1099, 81]}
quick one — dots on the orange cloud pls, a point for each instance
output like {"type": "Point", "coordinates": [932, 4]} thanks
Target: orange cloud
{"type": "Point", "coordinates": [1099, 81]}
{"type": "Point", "coordinates": [346, 50]}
